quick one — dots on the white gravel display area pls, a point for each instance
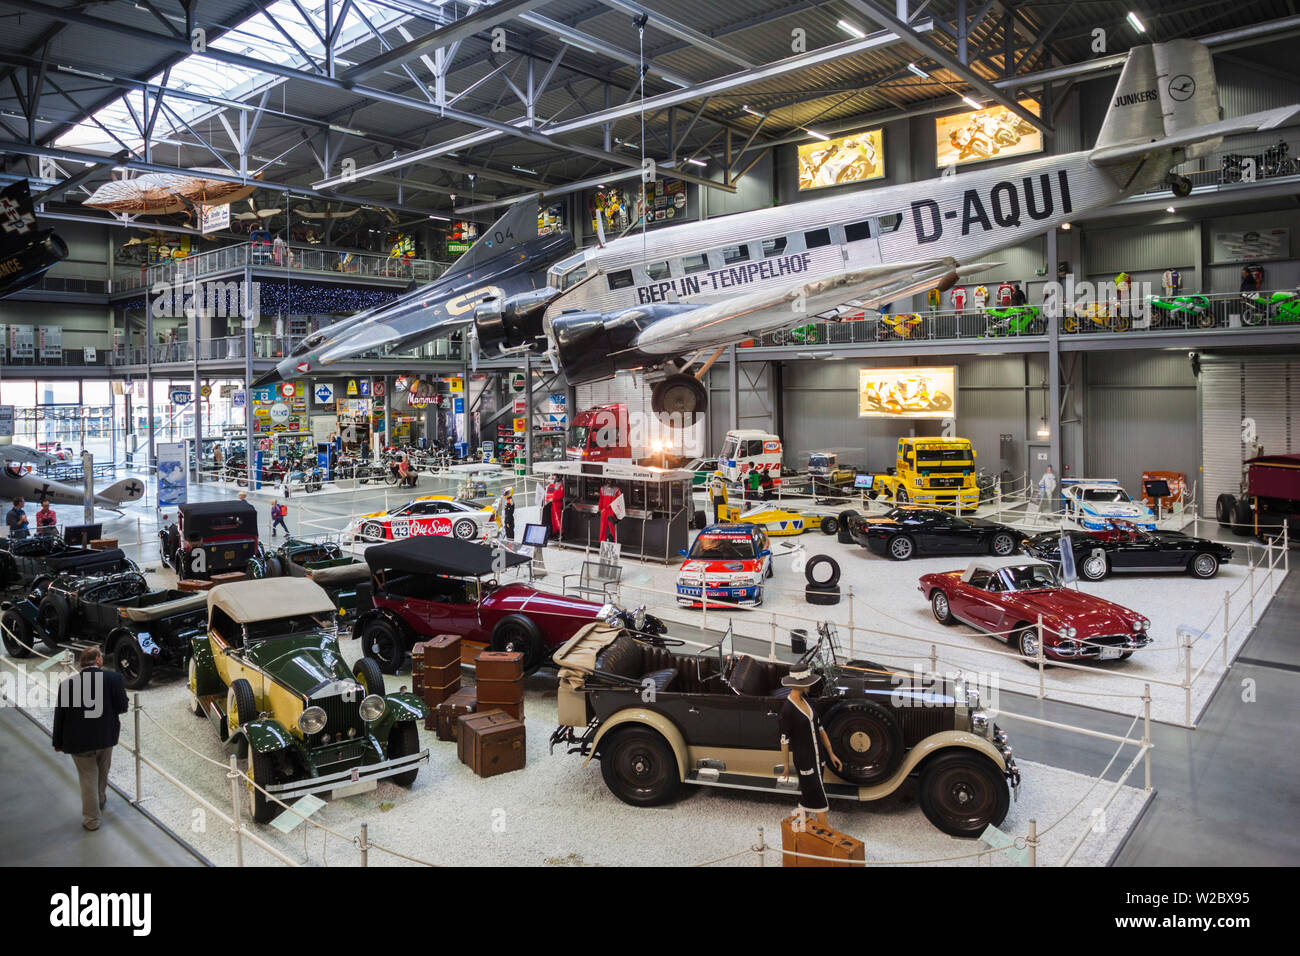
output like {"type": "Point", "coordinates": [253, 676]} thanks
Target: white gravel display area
{"type": "Point", "coordinates": [558, 812]}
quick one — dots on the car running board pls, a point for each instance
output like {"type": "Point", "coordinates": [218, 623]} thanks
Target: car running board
{"type": "Point", "coordinates": [740, 781]}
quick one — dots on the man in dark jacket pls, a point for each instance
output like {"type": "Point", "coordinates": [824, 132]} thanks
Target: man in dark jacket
{"type": "Point", "coordinates": [86, 727]}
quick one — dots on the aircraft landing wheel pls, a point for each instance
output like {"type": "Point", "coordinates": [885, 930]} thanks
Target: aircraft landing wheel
{"type": "Point", "coordinates": [678, 399]}
{"type": "Point", "coordinates": [1181, 186]}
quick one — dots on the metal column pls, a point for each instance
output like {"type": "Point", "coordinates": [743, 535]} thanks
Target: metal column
{"type": "Point", "coordinates": [1054, 369]}
{"type": "Point", "coordinates": [733, 386]}
{"type": "Point", "coordinates": [150, 459]}
{"type": "Point", "coordinates": [528, 414]}
{"type": "Point", "coordinates": [197, 396]}
{"type": "Point", "coordinates": [248, 374]}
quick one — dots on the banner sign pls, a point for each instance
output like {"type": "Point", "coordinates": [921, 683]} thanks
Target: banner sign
{"type": "Point", "coordinates": [849, 159]}
{"type": "Point", "coordinates": [173, 476]}
{"type": "Point", "coordinates": [214, 218]}
{"type": "Point", "coordinates": [908, 392]}
{"type": "Point", "coordinates": [991, 133]}
{"type": "Point", "coordinates": [51, 341]}
{"type": "Point", "coordinates": [22, 341]}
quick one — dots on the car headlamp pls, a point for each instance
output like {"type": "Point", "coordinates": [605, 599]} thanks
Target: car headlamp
{"type": "Point", "coordinates": [972, 698]}
{"type": "Point", "coordinates": [1071, 632]}
{"type": "Point", "coordinates": [372, 708]}
{"type": "Point", "coordinates": [312, 721]}
{"type": "Point", "coordinates": [638, 618]}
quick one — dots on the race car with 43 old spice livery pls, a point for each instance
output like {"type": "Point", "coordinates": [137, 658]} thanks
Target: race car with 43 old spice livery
{"type": "Point", "coordinates": [728, 564]}
{"type": "Point", "coordinates": [429, 514]}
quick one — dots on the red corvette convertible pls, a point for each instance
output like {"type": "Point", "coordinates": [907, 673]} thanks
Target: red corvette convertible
{"type": "Point", "coordinates": [1005, 596]}
{"type": "Point", "coordinates": [425, 586]}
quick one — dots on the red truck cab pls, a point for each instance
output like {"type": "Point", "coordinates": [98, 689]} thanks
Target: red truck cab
{"type": "Point", "coordinates": [600, 434]}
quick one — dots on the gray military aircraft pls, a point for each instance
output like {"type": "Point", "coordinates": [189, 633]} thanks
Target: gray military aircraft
{"type": "Point", "coordinates": [18, 481]}
{"type": "Point", "coordinates": [668, 302]}
{"type": "Point", "coordinates": [508, 259]}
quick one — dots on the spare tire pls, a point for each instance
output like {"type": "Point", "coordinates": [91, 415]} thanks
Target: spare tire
{"type": "Point", "coordinates": [830, 525]}
{"type": "Point", "coordinates": [832, 578]}
{"type": "Point", "coordinates": [867, 738]}
{"type": "Point", "coordinates": [823, 595]}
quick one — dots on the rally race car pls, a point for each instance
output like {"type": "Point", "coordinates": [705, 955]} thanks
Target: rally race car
{"type": "Point", "coordinates": [429, 514]}
{"type": "Point", "coordinates": [1093, 503]}
{"type": "Point", "coordinates": [727, 563]}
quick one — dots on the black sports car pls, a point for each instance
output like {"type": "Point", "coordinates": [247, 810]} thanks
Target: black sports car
{"type": "Point", "coordinates": [1125, 547]}
{"type": "Point", "coordinates": [908, 531]}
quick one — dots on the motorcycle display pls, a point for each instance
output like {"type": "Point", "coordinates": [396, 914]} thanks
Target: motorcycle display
{"type": "Point", "coordinates": [1270, 307]}
{"type": "Point", "coordinates": [1181, 311]}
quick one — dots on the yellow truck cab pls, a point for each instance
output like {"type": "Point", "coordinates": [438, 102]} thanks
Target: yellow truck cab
{"type": "Point", "coordinates": [931, 471]}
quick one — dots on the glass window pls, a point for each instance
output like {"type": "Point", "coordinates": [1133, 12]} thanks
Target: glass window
{"type": "Point", "coordinates": [731, 254]}
{"type": "Point", "coordinates": [774, 247]}
{"type": "Point", "coordinates": [817, 238]}
{"type": "Point", "coordinates": [695, 263]}
{"type": "Point", "coordinates": [621, 280]}
{"type": "Point", "coordinates": [890, 223]}
{"type": "Point", "coordinates": [656, 271]}
{"type": "Point", "coordinates": [573, 277]}
{"type": "Point", "coordinates": [18, 393]}
{"type": "Point", "coordinates": [857, 230]}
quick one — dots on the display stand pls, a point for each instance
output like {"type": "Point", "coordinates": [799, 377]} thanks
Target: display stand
{"type": "Point", "coordinates": [658, 500]}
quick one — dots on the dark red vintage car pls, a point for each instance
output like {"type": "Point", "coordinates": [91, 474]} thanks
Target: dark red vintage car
{"type": "Point", "coordinates": [1005, 596]}
{"type": "Point", "coordinates": [429, 585]}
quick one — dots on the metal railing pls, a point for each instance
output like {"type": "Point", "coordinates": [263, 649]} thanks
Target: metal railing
{"type": "Point", "coordinates": [1195, 313]}
{"type": "Point", "coordinates": [290, 258]}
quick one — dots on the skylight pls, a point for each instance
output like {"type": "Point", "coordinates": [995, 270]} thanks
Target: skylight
{"type": "Point", "coordinates": [199, 75]}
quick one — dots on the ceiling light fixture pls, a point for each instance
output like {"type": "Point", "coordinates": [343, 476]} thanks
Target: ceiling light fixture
{"type": "Point", "coordinates": [850, 29]}
{"type": "Point", "coordinates": [1135, 23]}
{"type": "Point", "coordinates": [520, 169]}
{"type": "Point", "coordinates": [971, 103]}
{"type": "Point", "coordinates": [813, 133]}
{"type": "Point", "coordinates": [1065, 226]}
{"type": "Point", "coordinates": [918, 71]}
{"type": "Point", "coordinates": [697, 162]}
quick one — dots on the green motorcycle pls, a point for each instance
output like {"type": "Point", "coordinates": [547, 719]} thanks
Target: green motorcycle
{"type": "Point", "coordinates": [1183, 311]}
{"type": "Point", "coordinates": [805, 334]}
{"type": "Point", "coordinates": [1270, 307]}
{"type": "Point", "coordinates": [1016, 320]}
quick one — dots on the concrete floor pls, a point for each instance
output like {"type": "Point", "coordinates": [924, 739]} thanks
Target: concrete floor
{"type": "Point", "coordinates": [1221, 789]}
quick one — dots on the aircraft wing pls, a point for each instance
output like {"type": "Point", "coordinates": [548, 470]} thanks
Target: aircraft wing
{"type": "Point", "coordinates": [750, 314]}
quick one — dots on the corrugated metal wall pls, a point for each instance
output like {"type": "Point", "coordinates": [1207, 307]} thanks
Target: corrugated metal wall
{"type": "Point", "coordinates": [1235, 389]}
{"type": "Point", "coordinates": [1129, 249]}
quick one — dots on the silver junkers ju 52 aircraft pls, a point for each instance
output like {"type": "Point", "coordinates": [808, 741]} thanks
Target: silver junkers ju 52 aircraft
{"type": "Point", "coordinates": [672, 299]}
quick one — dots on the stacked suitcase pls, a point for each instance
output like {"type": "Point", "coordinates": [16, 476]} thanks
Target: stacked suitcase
{"type": "Point", "coordinates": [500, 682]}
{"type": "Point", "coordinates": [448, 713]}
{"type": "Point", "coordinates": [823, 846]}
{"type": "Point", "coordinates": [435, 672]}
{"type": "Point", "coordinates": [491, 742]}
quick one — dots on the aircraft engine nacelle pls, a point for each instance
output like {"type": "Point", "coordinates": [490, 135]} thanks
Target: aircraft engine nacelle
{"type": "Point", "coordinates": [595, 345]}
{"type": "Point", "coordinates": [513, 321]}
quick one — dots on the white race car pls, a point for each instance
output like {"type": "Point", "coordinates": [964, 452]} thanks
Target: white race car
{"type": "Point", "coordinates": [1093, 503]}
{"type": "Point", "coordinates": [428, 514]}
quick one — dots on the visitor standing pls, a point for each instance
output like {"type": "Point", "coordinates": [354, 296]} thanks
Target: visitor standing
{"type": "Point", "coordinates": [87, 727]}
{"type": "Point", "coordinates": [16, 519]}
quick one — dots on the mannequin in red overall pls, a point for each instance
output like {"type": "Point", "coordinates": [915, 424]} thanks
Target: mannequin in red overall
{"type": "Point", "coordinates": [555, 498]}
{"type": "Point", "coordinates": [608, 522]}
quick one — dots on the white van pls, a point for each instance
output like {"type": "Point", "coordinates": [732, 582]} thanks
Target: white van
{"type": "Point", "coordinates": [747, 449]}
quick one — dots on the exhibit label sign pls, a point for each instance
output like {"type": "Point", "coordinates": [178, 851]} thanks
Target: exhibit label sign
{"type": "Point", "coordinates": [991, 133]}
{"type": "Point", "coordinates": [849, 159]}
{"type": "Point", "coordinates": [907, 392]}
{"type": "Point", "coordinates": [51, 341]}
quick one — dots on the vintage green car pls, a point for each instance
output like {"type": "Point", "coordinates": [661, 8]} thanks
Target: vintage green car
{"type": "Point", "coordinates": [341, 575]}
{"type": "Point", "coordinates": [270, 676]}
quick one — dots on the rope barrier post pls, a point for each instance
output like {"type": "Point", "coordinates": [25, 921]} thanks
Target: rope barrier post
{"type": "Point", "coordinates": [704, 601]}
{"type": "Point", "coordinates": [1251, 558]}
{"type": "Point", "coordinates": [1041, 658]}
{"type": "Point", "coordinates": [235, 823]}
{"type": "Point", "coordinates": [934, 659]}
{"type": "Point", "coordinates": [135, 750]}
{"type": "Point", "coordinates": [1187, 679]}
{"type": "Point", "coordinates": [761, 849]}
{"type": "Point", "coordinates": [365, 844]}
{"type": "Point", "coordinates": [1286, 548]}
{"type": "Point", "coordinates": [851, 625]}
{"type": "Point", "coordinates": [1031, 842]}
{"type": "Point", "coordinates": [771, 639]}
{"type": "Point", "coordinates": [1227, 600]}
{"type": "Point", "coordinates": [139, 540]}
{"type": "Point", "coordinates": [1146, 732]}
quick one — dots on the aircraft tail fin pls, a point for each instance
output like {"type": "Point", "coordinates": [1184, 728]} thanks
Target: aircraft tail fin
{"type": "Point", "coordinates": [517, 226]}
{"type": "Point", "coordinates": [128, 489]}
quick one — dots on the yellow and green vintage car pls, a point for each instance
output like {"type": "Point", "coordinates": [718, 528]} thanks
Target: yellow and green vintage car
{"type": "Point", "coordinates": [269, 674]}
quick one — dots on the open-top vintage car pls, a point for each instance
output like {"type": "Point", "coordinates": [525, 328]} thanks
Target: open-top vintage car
{"type": "Point", "coordinates": [426, 586]}
{"type": "Point", "coordinates": [341, 575]}
{"type": "Point", "coordinates": [907, 531]}
{"type": "Point", "coordinates": [269, 675]}
{"type": "Point", "coordinates": [1124, 547]}
{"type": "Point", "coordinates": [1006, 597]}
{"type": "Point", "coordinates": [657, 718]}
{"type": "Point", "coordinates": [29, 563]}
{"type": "Point", "coordinates": [210, 537]}
{"type": "Point", "coordinates": [138, 627]}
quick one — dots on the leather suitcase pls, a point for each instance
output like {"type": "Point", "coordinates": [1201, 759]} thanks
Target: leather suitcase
{"type": "Point", "coordinates": [807, 836]}
{"type": "Point", "coordinates": [495, 692]}
{"type": "Point", "coordinates": [438, 651]}
{"type": "Point", "coordinates": [448, 713]}
{"type": "Point", "coordinates": [193, 584]}
{"type": "Point", "coordinates": [229, 577]}
{"type": "Point", "coordinates": [433, 696]}
{"type": "Point", "coordinates": [499, 665]}
{"type": "Point", "coordinates": [515, 710]}
{"type": "Point", "coordinates": [491, 743]}
{"type": "Point", "coordinates": [103, 544]}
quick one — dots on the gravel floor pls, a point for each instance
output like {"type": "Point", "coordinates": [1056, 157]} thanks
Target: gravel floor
{"type": "Point", "coordinates": [558, 812]}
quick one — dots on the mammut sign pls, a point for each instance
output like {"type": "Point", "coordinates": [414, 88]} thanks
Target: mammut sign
{"type": "Point", "coordinates": [721, 279]}
{"type": "Point", "coordinates": [1006, 204]}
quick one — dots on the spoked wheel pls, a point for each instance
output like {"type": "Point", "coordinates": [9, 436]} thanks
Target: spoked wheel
{"type": "Point", "coordinates": [901, 547]}
{"type": "Point", "coordinates": [962, 794]}
{"type": "Point", "coordinates": [517, 634]}
{"type": "Point", "coordinates": [382, 644]}
{"type": "Point", "coordinates": [940, 607]}
{"type": "Point", "coordinates": [135, 666]}
{"type": "Point", "coordinates": [1205, 565]}
{"type": "Point", "coordinates": [372, 529]}
{"type": "Point", "coordinates": [1025, 641]}
{"type": "Point", "coordinates": [17, 634]}
{"type": "Point", "coordinates": [1094, 567]}
{"type": "Point", "coordinates": [1003, 544]}
{"type": "Point", "coordinates": [639, 767]}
